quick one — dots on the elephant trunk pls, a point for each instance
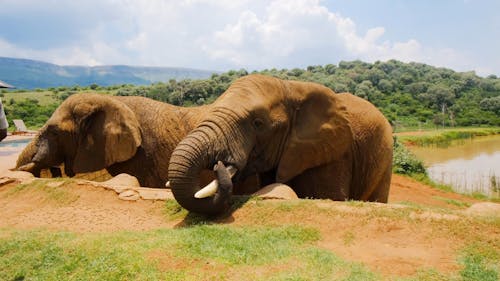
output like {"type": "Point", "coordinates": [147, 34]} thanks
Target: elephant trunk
{"type": "Point", "coordinates": [25, 160]}
{"type": "Point", "coordinates": [41, 154]}
{"type": "Point", "coordinates": [212, 144]}
{"type": "Point", "coordinates": [186, 164]}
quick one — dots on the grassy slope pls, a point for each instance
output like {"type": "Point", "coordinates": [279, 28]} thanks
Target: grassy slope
{"type": "Point", "coordinates": [271, 241]}
{"type": "Point", "coordinates": [44, 97]}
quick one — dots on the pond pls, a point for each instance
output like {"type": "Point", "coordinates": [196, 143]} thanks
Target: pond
{"type": "Point", "coordinates": [10, 149]}
{"type": "Point", "coordinates": [15, 143]}
{"type": "Point", "coordinates": [468, 166]}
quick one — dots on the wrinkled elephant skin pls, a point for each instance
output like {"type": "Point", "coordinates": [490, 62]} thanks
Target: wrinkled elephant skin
{"type": "Point", "coordinates": [320, 143]}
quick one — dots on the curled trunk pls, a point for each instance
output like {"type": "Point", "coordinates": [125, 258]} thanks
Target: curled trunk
{"type": "Point", "coordinates": [217, 140]}
{"type": "Point", "coordinates": [186, 164]}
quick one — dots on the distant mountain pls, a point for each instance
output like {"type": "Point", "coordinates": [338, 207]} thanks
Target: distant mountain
{"type": "Point", "coordinates": [30, 74]}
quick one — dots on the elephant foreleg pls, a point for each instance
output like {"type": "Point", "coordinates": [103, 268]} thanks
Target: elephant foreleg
{"type": "Point", "coordinates": [381, 191]}
{"type": "Point", "coordinates": [331, 181]}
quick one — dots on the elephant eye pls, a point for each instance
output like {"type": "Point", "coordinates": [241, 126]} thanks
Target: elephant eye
{"type": "Point", "coordinates": [258, 124]}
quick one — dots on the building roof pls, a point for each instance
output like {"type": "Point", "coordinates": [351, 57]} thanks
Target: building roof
{"type": "Point", "coordinates": [5, 85]}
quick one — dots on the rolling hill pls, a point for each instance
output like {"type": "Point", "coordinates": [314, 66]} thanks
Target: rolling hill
{"type": "Point", "coordinates": [31, 74]}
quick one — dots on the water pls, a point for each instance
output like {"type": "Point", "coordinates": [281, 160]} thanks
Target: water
{"type": "Point", "coordinates": [9, 147]}
{"type": "Point", "coordinates": [15, 143]}
{"type": "Point", "coordinates": [467, 165]}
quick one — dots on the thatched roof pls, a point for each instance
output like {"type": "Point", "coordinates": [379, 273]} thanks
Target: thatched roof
{"type": "Point", "coordinates": [5, 85]}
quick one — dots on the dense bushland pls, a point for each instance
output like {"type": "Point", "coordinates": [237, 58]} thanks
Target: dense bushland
{"type": "Point", "coordinates": [409, 94]}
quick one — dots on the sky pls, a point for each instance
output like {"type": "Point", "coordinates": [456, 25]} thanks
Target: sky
{"type": "Point", "coordinates": [463, 35]}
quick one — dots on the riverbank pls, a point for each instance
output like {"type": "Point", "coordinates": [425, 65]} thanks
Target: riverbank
{"type": "Point", "coordinates": [444, 137]}
{"type": "Point", "coordinates": [464, 160]}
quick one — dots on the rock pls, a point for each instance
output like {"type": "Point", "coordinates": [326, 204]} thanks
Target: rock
{"type": "Point", "coordinates": [128, 188]}
{"type": "Point", "coordinates": [18, 175]}
{"type": "Point", "coordinates": [486, 209]}
{"type": "Point", "coordinates": [122, 180]}
{"type": "Point", "coordinates": [276, 191]}
{"type": "Point", "coordinates": [5, 181]}
{"type": "Point", "coordinates": [8, 176]}
{"type": "Point", "coordinates": [129, 195]}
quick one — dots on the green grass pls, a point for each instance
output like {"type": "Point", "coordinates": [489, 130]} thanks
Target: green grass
{"type": "Point", "coordinates": [453, 202]}
{"type": "Point", "coordinates": [280, 253]}
{"type": "Point", "coordinates": [202, 252]}
{"type": "Point", "coordinates": [43, 97]}
{"type": "Point", "coordinates": [249, 245]}
{"type": "Point", "coordinates": [480, 262]}
{"type": "Point", "coordinates": [444, 138]}
{"type": "Point", "coordinates": [209, 249]}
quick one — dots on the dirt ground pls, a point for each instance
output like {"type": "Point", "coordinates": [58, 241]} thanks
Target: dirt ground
{"type": "Point", "coordinates": [391, 243]}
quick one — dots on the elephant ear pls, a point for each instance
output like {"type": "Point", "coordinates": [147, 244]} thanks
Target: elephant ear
{"type": "Point", "coordinates": [108, 133]}
{"type": "Point", "coordinates": [320, 131]}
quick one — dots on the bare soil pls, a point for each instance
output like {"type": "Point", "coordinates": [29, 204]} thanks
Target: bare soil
{"type": "Point", "coordinates": [394, 239]}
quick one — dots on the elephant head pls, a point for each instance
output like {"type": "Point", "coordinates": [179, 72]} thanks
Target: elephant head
{"type": "Point", "coordinates": [259, 125]}
{"type": "Point", "coordinates": [87, 132]}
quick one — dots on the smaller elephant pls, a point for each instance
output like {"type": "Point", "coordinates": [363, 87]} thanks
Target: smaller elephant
{"type": "Point", "coordinates": [321, 144]}
{"type": "Point", "coordinates": [89, 132]}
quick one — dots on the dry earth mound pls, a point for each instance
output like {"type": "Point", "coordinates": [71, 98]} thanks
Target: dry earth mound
{"type": "Point", "coordinates": [421, 227]}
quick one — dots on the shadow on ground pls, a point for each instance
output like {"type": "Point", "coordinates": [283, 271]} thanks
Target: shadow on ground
{"type": "Point", "coordinates": [192, 219]}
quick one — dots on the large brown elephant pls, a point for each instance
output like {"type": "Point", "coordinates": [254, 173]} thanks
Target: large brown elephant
{"type": "Point", "coordinates": [89, 132]}
{"type": "Point", "coordinates": [322, 144]}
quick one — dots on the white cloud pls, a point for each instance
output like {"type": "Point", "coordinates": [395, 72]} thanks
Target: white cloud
{"type": "Point", "coordinates": [304, 32]}
{"type": "Point", "coordinates": [221, 34]}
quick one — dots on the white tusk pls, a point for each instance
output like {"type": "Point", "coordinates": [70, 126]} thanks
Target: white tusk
{"type": "Point", "coordinates": [167, 185]}
{"type": "Point", "coordinates": [208, 190]}
{"type": "Point", "coordinates": [211, 188]}
{"type": "Point", "coordinates": [27, 168]}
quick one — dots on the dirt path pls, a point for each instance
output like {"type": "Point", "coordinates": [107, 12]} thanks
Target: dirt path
{"type": "Point", "coordinates": [78, 208]}
{"type": "Point", "coordinates": [389, 238]}
{"type": "Point", "coordinates": [86, 208]}
{"type": "Point", "coordinates": [404, 189]}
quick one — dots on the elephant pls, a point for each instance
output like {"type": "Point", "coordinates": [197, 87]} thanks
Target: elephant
{"type": "Point", "coordinates": [322, 144]}
{"type": "Point", "coordinates": [89, 132]}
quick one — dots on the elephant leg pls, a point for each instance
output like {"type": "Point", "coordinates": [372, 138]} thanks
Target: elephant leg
{"type": "Point", "coordinates": [330, 181]}
{"type": "Point", "coordinates": [55, 172]}
{"type": "Point", "coordinates": [381, 191]}
{"type": "Point", "coordinates": [247, 186]}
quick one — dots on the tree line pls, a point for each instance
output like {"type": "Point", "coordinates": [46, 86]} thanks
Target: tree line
{"type": "Point", "coordinates": [409, 94]}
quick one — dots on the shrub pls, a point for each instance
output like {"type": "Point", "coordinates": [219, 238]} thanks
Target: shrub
{"type": "Point", "coordinates": [405, 162]}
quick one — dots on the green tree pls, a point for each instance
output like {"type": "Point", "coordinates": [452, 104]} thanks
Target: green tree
{"type": "Point", "coordinates": [363, 89]}
{"type": "Point", "coordinates": [491, 104]}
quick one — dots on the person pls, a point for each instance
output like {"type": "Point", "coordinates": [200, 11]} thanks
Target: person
{"type": "Point", "coordinates": [3, 122]}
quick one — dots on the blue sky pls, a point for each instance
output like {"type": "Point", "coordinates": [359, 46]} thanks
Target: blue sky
{"type": "Point", "coordinates": [254, 34]}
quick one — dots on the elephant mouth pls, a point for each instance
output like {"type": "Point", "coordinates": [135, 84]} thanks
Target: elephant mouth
{"type": "Point", "coordinates": [224, 174]}
{"type": "Point", "coordinates": [228, 170]}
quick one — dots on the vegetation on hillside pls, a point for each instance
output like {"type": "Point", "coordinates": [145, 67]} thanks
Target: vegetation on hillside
{"type": "Point", "coordinates": [409, 94]}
